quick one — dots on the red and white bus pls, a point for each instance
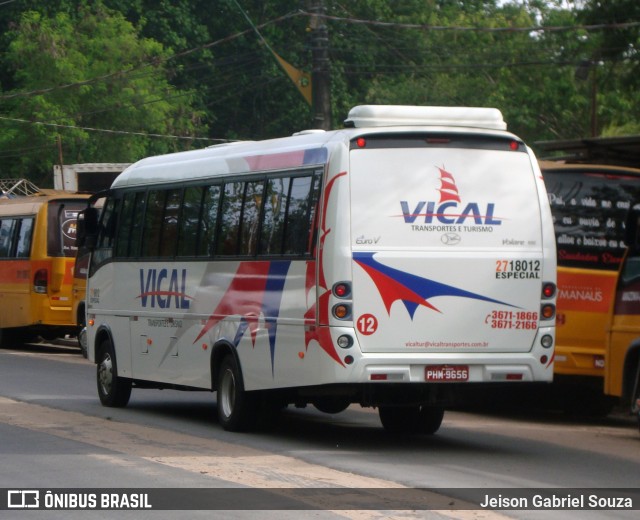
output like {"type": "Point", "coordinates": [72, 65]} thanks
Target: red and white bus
{"type": "Point", "coordinates": [384, 264]}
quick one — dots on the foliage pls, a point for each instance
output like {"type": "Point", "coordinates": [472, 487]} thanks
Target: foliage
{"type": "Point", "coordinates": [75, 74]}
{"type": "Point", "coordinates": [207, 68]}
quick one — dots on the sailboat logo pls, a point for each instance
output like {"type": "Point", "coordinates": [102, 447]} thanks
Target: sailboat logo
{"type": "Point", "coordinates": [448, 189]}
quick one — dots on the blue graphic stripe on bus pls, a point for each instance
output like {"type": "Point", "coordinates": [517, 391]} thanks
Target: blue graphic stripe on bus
{"type": "Point", "coordinates": [255, 291]}
{"type": "Point", "coordinates": [412, 290]}
{"type": "Point", "coordinates": [272, 300]}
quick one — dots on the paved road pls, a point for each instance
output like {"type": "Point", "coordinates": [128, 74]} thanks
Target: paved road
{"type": "Point", "coordinates": [55, 434]}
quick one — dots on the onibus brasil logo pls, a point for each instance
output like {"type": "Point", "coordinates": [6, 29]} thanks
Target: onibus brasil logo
{"type": "Point", "coordinates": [425, 213]}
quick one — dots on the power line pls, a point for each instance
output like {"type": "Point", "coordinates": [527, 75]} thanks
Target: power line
{"type": "Point", "coordinates": [458, 28]}
{"type": "Point", "coordinates": [106, 131]}
{"type": "Point", "coordinates": [254, 28]}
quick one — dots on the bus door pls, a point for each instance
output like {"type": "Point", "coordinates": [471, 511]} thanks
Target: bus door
{"type": "Point", "coordinates": [622, 374]}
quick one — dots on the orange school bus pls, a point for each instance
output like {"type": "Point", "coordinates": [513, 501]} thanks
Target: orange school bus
{"type": "Point", "coordinates": [622, 374]}
{"type": "Point", "coordinates": [37, 253]}
{"type": "Point", "coordinates": [589, 204]}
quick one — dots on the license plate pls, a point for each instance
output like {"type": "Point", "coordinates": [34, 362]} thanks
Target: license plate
{"type": "Point", "coordinates": [446, 373]}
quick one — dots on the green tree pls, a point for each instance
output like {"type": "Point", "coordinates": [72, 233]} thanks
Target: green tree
{"type": "Point", "coordinates": [615, 65]}
{"type": "Point", "coordinates": [76, 72]}
{"type": "Point", "coordinates": [190, 67]}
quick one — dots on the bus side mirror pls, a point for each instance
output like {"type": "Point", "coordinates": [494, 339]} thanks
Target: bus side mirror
{"type": "Point", "coordinates": [87, 228]}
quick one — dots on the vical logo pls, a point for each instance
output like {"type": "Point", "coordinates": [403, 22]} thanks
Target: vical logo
{"type": "Point", "coordinates": [164, 288]}
{"type": "Point", "coordinates": [446, 210]}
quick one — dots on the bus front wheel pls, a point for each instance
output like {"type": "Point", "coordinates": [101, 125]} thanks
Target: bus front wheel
{"type": "Point", "coordinates": [236, 407]}
{"type": "Point", "coordinates": [411, 419]}
{"type": "Point", "coordinates": [113, 390]}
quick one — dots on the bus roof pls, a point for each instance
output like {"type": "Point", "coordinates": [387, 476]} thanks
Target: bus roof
{"type": "Point", "coordinates": [605, 169]}
{"type": "Point", "coordinates": [310, 147]}
{"type": "Point", "coordinates": [367, 116]}
{"type": "Point", "coordinates": [27, 205]}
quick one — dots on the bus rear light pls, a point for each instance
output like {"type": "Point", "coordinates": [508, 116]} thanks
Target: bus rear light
{"type": "Point", "coordinates": [91, 322]}
{"type": "Point", "coordinates": [345, 341]}
{"type": "Point", "coordinates": [548, 290]}
{"type": "Point", "coordinates": [342, 311]}
{"type": "Point", "coordinates": [41, 281]}
{"type": "Point", "coordinates": [348, 360]}
{"type": "Point", "coordinates": [546, 341]}
{"type": "Point", "coordinates": [543, 360]}
{"type": "Point", "coordinates": [379, 377]}
{"type": "Point", "coordinates": [361, 142]}
{"type": "Point", "coordinates": [548, 311]}
{"type": "Point", "coordinates": [342, 290]}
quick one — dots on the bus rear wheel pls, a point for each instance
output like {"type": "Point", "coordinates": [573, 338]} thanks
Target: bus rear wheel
{"type": "Point", "coordinates": [411, 419]}
{"type": "Point", "coordinates": [236, 407]}
{"type": "Point", "coordinates": [114, 391]}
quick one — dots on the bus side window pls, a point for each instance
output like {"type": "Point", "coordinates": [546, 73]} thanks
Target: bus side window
{"type": "Point", "coordinates": [190, 221]}
{"type": "Point", "coordinates": [6, 233]}
{"type": "Point", "coordinates": [23, 246]}
{"type": "Point", "coordinates": [275, 206]}
{"type": "Point", "coordinates": [169, 233]}
{"type": "Point", "coordinates": [230, 218]}
{"type": "Point", "coordinates": [151, 234]}
{"type": "Point", "coordinates": [139, 207]}
{"type": "Point", "coordinates": [250, 221]}
{"type": "Point", "coordinates": [302, 203]}
{"type": "Point", "coordinates": [124, 229]}
{"type": "Point", "coordinates": [106, 234]}
{"type": "Point", "coordinates": [209, 221]}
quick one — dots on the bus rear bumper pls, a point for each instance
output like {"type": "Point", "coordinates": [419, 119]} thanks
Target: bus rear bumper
{"type": "Point", "coordinates": [444, 369]}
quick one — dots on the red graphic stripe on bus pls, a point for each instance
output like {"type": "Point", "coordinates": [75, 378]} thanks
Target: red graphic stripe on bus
{"type": "Point", "coordinates": [322, 334]}
{"type": "Point", "coordinates": [249, 280]}
{"type": "Point", "coordinates": [322, 282]}
{"type": "Point", "coordinates": [255, 291]}
{"type": "Point", "coordinates": [276, 161]}
{"type": "Point", "coordinates": [391, 291]}
{"type": "Point", "coordinates": [309, 285]}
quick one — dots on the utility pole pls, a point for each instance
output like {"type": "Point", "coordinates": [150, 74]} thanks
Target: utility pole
{"type": "Point", "coordinates": [586, 69]}
{"type": "Point", "coordinates": [320, 76]}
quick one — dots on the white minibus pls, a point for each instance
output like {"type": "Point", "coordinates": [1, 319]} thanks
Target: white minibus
{"type": "Point", "coordinates": [386, 264]}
